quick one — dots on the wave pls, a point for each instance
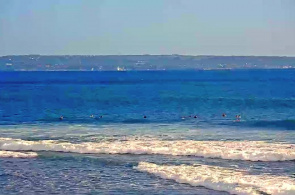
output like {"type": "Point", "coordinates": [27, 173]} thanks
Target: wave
{"type": "Point", "coordinates": [269, 124]}
{"type": "Point", "coordinates": [222, 179]}
{"type": "Point", "coordinates": [12, 154]}
{"type": "Point", "coordinates": [285, 124]}
{"type": "Point", "coordinates": [234, 150]}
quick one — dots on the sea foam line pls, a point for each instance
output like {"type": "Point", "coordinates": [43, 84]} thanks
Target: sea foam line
{"type": "Point", "coordinates": [236, 150]}
{"type": "Point", "coordinates": [222, 179]}
{"type": "Point", "coordinates": [13, 154]}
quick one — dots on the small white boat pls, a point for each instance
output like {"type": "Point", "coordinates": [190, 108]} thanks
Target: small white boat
{"type": "Point", "coordinates": [120, 69]}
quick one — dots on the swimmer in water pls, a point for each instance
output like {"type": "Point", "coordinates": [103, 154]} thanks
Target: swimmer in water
{"type": "Point", "coordinates": [100, 116]}
{"type": "Point", "coordinates": [144, 116]}
{"type": "Point", "coordinates": [91, 116]}
{"type": "Point", "coordinates": [238, 117]}
{"type": "Point", "coordinates": [195, 116]}
{"type": "Point", "coordinates": [223, 115]}
{"type": "Point", "coordinates": [61, 117]}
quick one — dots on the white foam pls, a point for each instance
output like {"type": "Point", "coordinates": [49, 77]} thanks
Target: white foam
{"type": "Point", "coordinates": [240, 150]}
{"type": "Point", "coordinates": [13, 154]}
{"type": "Point", "coordinates": [222, 179]}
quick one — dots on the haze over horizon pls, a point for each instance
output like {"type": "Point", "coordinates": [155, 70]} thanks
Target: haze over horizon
{"type": "Point", "coordinates": [113, 27]}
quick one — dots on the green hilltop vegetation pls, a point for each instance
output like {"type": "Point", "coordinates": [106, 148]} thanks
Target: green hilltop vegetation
{"type": "Point", "coordinates": [140, 62]}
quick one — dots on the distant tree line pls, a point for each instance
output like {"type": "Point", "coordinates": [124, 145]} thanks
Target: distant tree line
{"type": "Point", "coordinates": [141, 62]}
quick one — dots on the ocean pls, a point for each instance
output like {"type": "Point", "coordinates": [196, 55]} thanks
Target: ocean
{"type": "Point", "coordinates": [211, 132]}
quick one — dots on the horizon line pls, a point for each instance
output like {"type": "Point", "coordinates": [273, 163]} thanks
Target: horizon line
{"type": "Point", "coordinates": [148, 55]}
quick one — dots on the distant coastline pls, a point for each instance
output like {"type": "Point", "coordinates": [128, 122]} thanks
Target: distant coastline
{"type": "Point", "coordinates": [141, 62]}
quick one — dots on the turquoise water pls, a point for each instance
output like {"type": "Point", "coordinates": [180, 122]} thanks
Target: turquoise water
{"type": "Point", "coordinates": [103, 141]}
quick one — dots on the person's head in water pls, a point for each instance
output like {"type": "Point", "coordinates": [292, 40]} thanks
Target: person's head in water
{"type": "Point", "coordinates": [100, 116]}
{"type": "Point", "coordinates": [195, 116]}
{"type": "Point", "coordinates": [61, 117]}
{"type": "Point", "coordinates": [144, 116]}
{"type": "Point", "coordinates": [238, 117]}
{"type": "Point", "coordinates": [224, 115]}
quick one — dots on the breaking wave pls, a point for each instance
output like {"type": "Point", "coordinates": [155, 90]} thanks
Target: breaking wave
{"type": "Point", "coordinates": [235, 150]}
{"type": "Point", "coordinates": [222, 179]}
{"type": "Point", "coordinates": [13, 154]}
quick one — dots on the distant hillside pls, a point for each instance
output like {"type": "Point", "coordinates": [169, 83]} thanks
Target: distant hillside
{"type": "Point", "coordinates": [141, 62]}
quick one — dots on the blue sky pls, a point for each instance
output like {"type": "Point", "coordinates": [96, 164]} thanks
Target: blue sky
{"type": "Point", "coordinates": [191, 27]}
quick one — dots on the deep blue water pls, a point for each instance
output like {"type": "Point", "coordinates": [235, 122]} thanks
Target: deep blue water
{"type": "Point", "coordinates": [32, 102]}
{"type": "Point", "coordinates": [261, 97]}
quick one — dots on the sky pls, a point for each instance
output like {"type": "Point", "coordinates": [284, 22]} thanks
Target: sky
{"type": "Point", "coordinates": [123, 27]}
